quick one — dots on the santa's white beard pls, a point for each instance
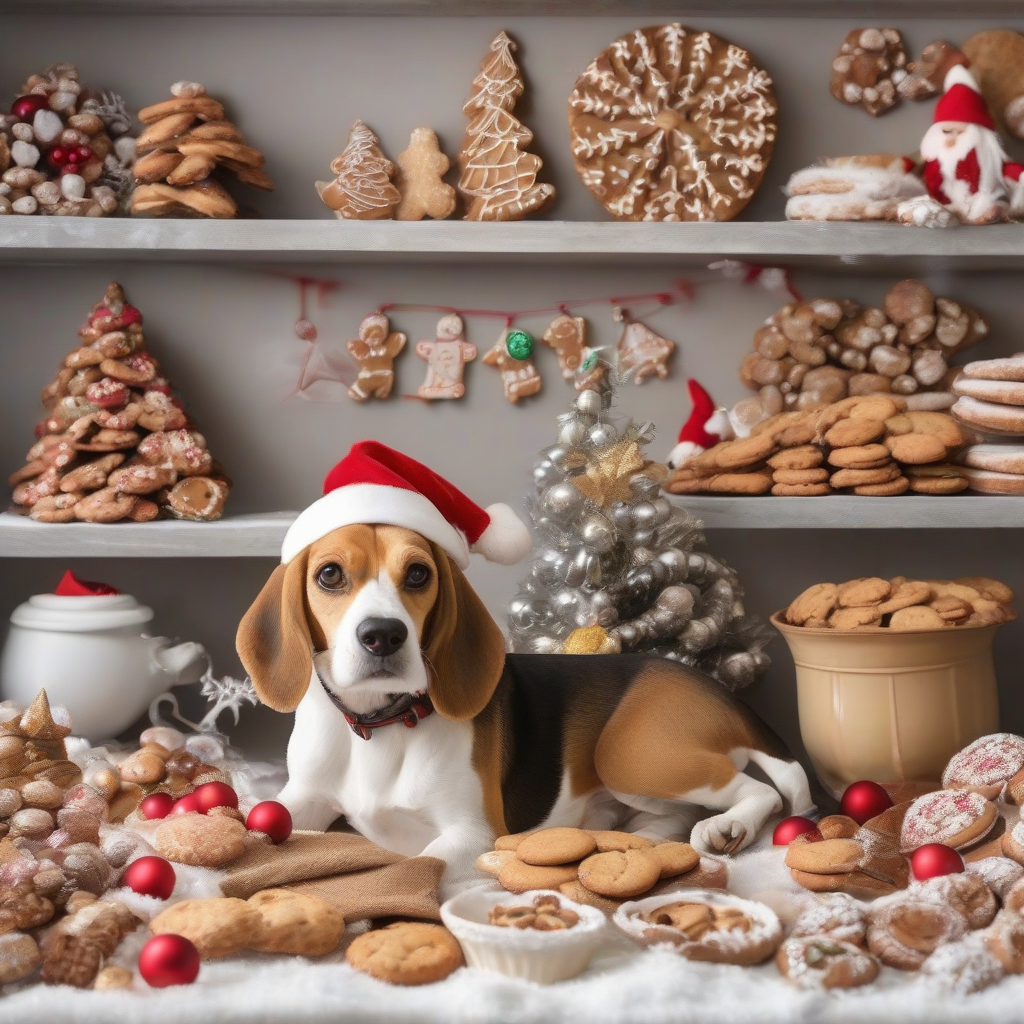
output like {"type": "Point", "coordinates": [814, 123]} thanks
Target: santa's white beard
{"type": "Point", "coordinates": [992, 189]}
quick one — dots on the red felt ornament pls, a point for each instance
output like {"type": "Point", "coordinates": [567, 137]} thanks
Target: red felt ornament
{"type": "Point", "coordinates": [156, 805]}
{"type": "Point", "coordinates": [150, 876]}
{"type": "Point", "coordinates": [169, 960]}
{"type": "Point", "coordinates": [271, 818]}
{"type": "Point", "coordinates": [24, 108]}
{"type": "Point", "coordinates": [934, 859]}
{"type": "Point", "coordinates": [71, 586]}
{"type": "Point", "coordinates": [864, 800]}
{"type": "Point", "coordinates": [789, 828]}
{"type": "Point", "coordinates": [214, 794]}
{"type": "Point", "coordinates": [186, 805]}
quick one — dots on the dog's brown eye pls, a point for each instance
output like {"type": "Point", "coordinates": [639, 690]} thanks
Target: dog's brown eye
{"type": "Point", "coordinates": [417, 577]}
{"type": "Point", "coordinates": [331, 577]}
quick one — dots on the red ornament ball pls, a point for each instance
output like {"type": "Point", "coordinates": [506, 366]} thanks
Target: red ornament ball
{"type": "Point", "coordinates": [789, 828]}
{"type": "Point", "coordinates": [169, 960]}
{"type": "Point", "coordinates": [84, 154]}
{"type": "Point", "coordinates": [214, 794]}
{"type": "Point", "coordinates": [24, 107]}
{"type": "Point", "coordinates": [934, 859]}
{"type": "Point", "coordinates": [57, 156]}
{"type": "Point", "coordinates": [272, 818]}
{"type": "Point", "coordinates": [156, 805]}
{"type": "Point", "coordinates": [186, 804]}
{"type": "Point", "coordinates": [150, 876]}
{"type": "Point", "coordinates": [864, 800]}
{"type": "Point", "coordinates": [305, 330]}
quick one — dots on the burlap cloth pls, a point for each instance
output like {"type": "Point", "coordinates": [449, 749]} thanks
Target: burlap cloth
{"type": "Point", "coordinates": [359, 878]}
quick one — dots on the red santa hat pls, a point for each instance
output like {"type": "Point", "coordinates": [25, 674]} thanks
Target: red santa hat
{"type": "Point", "coordinates": [962, 100]}
{"type": "Point", "coordinates": [376, 484]}
{"type": "Point", "coordinates": [703, 409]}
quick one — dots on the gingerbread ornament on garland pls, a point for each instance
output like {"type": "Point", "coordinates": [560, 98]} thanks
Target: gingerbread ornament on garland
{"type": "Point", "coordinates": [446, 358]}
{"type": "Point", "coordinates": [642, 353]}
{"type": "Point", "coordinates": [375, 350]}
{"type": "Point", "coordinates": [512, 357]}
{"type": "Point", "coordinates": [672, 124]}
{"type": "Point", "coordinates": [362, 189]}
{"type": "Point", "coordinates": [567, 335]}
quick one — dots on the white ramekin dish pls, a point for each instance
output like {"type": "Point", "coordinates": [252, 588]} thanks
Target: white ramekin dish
{"type": "Point", "coordinates": [544, 957]}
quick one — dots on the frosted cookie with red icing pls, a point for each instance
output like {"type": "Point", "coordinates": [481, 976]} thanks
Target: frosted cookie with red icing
{"type": "Point", "coordinates": [986, 765]}
{"type": "Point", "coordinates": [953, 817]}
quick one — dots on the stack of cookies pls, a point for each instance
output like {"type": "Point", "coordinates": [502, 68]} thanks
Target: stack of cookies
{"type": "Point", "coordinates": [902, 604]}
{"type": "Point", "coordinates": [865, 445]}
{"type": "Point", "coordinates": [597, 868]}
{"type": "Point", "coordinates": [991, 402]}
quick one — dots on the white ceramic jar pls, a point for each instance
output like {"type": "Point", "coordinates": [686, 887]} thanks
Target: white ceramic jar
{"type": "Point", "coordinates": [91, 655]}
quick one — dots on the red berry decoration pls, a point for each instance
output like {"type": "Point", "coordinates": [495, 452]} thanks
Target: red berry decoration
{"type": "Point", "coordinates": [214, 794]}
{"type": "Point", "coordinates": [84, 153]}
{"type": "Point", "coordinates": [186, 804]}
{"type": "Point", "coordinates": [934, 859]}
{"type": "Point", "coordinates": [57, 156]}
{"type": "Point", "coordinates": [150, 876]}
{"type": "Point", "coordinates": [24, 107]}
{"type": "Point", "coordinates": [169, 960]}
{"type": "Point", "coordinates": [272, 818]}
{"type": "Point", "coordinates": [156, 805]}
{"type": "Point", "coordinates": [864, 800]}
{"type": "Point", "coordinates": [789, 828]}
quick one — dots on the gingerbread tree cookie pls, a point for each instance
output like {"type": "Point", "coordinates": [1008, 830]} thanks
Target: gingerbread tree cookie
{"type": "Point", "coordinates": [362, 189]}
{"type": "Point", "coordinates": [446, 358]}
{"type": "Point", "coordinates": [642, 352]}
{"type": "Point", "coordinates": [116, 443]}
{"type": "Point", "coordinates": [498, 179]}
{"type": "Point", "coordinates": [567, 335]}
{"type": "Point", "coordinates": [671, 124]}
{"type": "Point", "coordinates": [512, 357]}
{"type": "Point", "coordinates": [420, 170]}
{"type": "Point", "coordinates": [375, 350]}
{"type": "Point", "coordinates": [186, 151]}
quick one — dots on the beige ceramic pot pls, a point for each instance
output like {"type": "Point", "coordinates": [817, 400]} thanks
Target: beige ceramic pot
{"type": "Point", "coordinates": [891, 706]}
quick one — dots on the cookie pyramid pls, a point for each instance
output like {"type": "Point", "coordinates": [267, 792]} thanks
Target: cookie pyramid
{"type": "Point", "coordinates": [187, 148]}
{"type": "Point", "coordinates": [116, 443]}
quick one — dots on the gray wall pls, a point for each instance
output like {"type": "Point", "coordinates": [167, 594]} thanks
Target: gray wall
{"type": "Point", "coordinates": [224, 334]}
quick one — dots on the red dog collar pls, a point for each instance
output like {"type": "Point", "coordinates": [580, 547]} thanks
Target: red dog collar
{"type": "Point", "coordinates": [408, 708]}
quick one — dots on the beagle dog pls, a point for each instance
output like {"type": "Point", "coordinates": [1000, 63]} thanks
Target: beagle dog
{"type": "Point", "coordinates": [413, 722]}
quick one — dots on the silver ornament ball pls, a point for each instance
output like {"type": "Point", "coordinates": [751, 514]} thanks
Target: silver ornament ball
{"type": "Point", "coordinates": [644, 515]}
{"type": "Point", "coordinates": [602, 434]}
{"type": "Point", "coordinates": [573, 432]}
{"type": "Point", "coordinates": [588, 402]}
{"type": "Point", "coordinates": [562, 499]}
{"type": "Point", "coordinates": [598, 533]}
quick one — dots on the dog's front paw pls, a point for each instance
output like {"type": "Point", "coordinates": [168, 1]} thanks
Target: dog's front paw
{"type": "Point", "coordinates": [720, 834]}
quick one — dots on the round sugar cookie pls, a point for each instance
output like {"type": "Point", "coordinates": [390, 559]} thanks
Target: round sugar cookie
{"type": "Point", "coordinates": [953, 817]}
{"type": "Point", "coordinates": [620, 873]}
{"type": "Point", "coordinates": [986, 765]}
{"type": "Point", "coordinates": [821, 961]}
{"type": "Point", "coordinates": [406, 953]}
{"type": "Point", "coordinates": [551, 846]}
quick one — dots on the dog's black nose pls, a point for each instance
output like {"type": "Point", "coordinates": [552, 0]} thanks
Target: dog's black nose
{"type": "Point", "coordinates": [382, 637]}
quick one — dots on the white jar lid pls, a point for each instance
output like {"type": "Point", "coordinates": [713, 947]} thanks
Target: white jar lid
{"type": "Point", "coordinates": [80, 614]}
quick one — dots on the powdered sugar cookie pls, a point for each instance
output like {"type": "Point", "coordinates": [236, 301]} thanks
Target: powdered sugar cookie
{"type": "Point", "coordinates": [986, 765]}
{"type": "Point", "coordinates": [1005, 941]}
{"type": "Point", "coordinates": [821, 961]}
{"type": "Point", "coordinates": [990, 417]}
{"type": "Point", "coordinates": [714, 927]}
{"type": "Point", "coordinates": [1005, 392]}
{"type": "Point", "coordinates": [966, 892]}
{"type": "Point", "coordinates": [1013, 842]}
{"type": "Point", "coordinates": [1010, 368]}
{"type": "Point", "coordinates": [962, 967]}
{"type": "Point", "coordinates": [837, 915]}
{"type": "Point", "coordinates": [905, 929]}
{"type": "Point", "coordinates": [955, 818]}
{"type": "Point", "coordinates": [1000, 874]}
{"type": "Point", "coordinates": [988, 481]}
{"type": "Point", "coordinates": [1001, 458]}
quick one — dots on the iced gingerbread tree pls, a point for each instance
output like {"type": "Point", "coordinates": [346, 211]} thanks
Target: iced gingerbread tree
{"type": "Point", "coordinates": [362, 189]}
{"type": "Point", "coordinates": [499, 179]}
{"type": "Point", "coordinates": [115, 443]}
{"type": "Point", "coordinates": [618, 567]}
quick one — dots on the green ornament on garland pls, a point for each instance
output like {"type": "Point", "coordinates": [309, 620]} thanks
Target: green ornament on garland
{"type": "Point", "coordinates": [519, 344]}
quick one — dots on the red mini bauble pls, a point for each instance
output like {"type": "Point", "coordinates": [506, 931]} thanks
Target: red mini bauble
{"type": "Point", "coordinates": [214, 794]}
{"type": "Point", "coordinates": [24, 108]}
{"type": "Point", "coordinates": [789, 828]}
{"type": "Point", "coordinates": [57, 156]}
{"type": "Point", "coordinates": [169, 960]}
{"type": "Point", "coordinates": [864, 800]}
{"type": "Point", "coordinates": [186, 804]}
{"type": "Point", "coordinates": [934, 859]}
{"type": "Point", "coordinates": [156, 805]}
{"type": "Point", "coordinates": [84, 154]}
{"type": "Point", "coordinates": [271, 818]}
{"type": "Point", "coordinates": [150, 876]}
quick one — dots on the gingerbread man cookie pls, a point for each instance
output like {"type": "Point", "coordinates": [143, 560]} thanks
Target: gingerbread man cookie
{"type": "Point", "coordinates": [446, 358]}
{"type": "Point", "coordinates": [567, 335]}
{"type": "Point", "coordinates": [519, 377]}
{"type": "Point", "coordinates": [642, 353]}
{"type": "Point", "coordinates": [375, 351]}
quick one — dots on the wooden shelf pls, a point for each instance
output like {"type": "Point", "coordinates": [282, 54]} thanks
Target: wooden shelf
{"type": "Point", "coordinates": [250, 536]}
{"type": "Point", "coordinates": [864, 248]}
{"type": "Point", "coordinates": [848, 9]}
{"type": "Point", "coordinates": [260, 535]}
{"type": "Point", "coordinates": [851, 512]}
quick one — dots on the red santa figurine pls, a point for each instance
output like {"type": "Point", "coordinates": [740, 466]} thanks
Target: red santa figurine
{"type": "Point", "coordinates": [707, 426]}
{"type": "Point", "coordinates": [966, 170]}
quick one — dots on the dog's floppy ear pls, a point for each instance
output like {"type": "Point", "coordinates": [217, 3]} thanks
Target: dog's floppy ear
{"type": "Point", "coordinates": [273, 638]}
{"type": "Point", "coordinates": [464, 648]}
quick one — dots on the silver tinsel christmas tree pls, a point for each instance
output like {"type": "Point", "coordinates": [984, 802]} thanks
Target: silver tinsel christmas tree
{"type": "Point", "coordinates": [618, 567]}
